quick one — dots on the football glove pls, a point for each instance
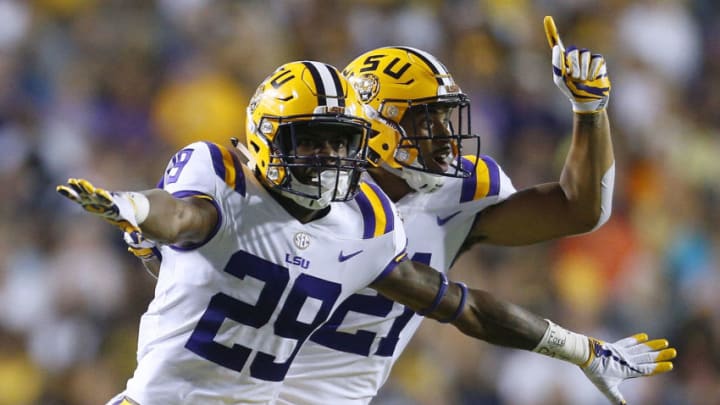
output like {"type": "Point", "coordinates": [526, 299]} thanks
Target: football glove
{"type": "Point", "coordinates": [143, 249]}
{"type": "Point", "coordinates": [612, 363]}
{"type": "Point", "coordinates": [125, 210]}
{"type": "Point", "coordinates": [578, 73]}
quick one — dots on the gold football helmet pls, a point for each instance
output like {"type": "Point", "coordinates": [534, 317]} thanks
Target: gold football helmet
{"type": "Point", "coordinates": [393, 81]}
{"type": "Point", "coordinates": [301, 102]}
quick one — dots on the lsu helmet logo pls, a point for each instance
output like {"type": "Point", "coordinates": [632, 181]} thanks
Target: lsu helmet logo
{"type": "Point", "coordinates": [254, 101]}
{"type": "Point", "coordinates": [366, 86]}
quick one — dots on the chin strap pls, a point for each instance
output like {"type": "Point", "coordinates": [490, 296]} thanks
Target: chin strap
{"type": "Point", "coordinates": [306, 202]}
{"type": "Point", "coordinates": [249, 160]}
{"type": "Point", "coordinates": [421, 182]}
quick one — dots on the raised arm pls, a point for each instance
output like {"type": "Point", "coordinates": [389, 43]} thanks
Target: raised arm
{"type": "Point", "coordinates": [479, 314]}
{"type": "Point", "coordinates": [582, 198]}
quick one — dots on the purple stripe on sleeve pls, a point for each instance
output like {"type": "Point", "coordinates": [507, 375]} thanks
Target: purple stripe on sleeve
{"type": "Point", "coordinates": [367, 214]}
{"type": "Point", "coordinates": [190, 193]}
{"type": "Point", "coordinates": [217, 159]}
{"type": "Point", "coordinates": [469, 183]}
{"type": "Point", "coordinates": [391, 266]}
{"type": "Point", "coordinates": [239, 175]}
{"type": "Point", "coordinates": [387, 208]}
{"type": "Point", "coordinates": [161, 183]}
{"type": "Point", "coordinates": [494, 173]}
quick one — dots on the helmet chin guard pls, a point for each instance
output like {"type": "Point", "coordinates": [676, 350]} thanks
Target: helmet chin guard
{"type": "Point", "coordinates": [420, 181]}
{"type": "Point", "coordinates": [329, 184]}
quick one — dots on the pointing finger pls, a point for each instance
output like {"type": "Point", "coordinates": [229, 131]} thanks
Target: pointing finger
{"type": "Point", "coordinates": [551, 33]}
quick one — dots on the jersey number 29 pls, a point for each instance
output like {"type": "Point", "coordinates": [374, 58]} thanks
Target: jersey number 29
{"type": "Point", "coordinates": [276, 279]}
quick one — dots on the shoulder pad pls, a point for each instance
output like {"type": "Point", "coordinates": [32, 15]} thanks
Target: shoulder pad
{"type": "Point", "coordinates": [484, 182]}
{"type": "Point", "coordinates": [376, 209]}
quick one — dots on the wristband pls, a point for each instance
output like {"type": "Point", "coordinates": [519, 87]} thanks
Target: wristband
{"type": "Point", "coordinates": [438, 297]}
{"type": "Point", "coordinates": [461, 305]}
{"type": "Point", "coordinates": [140, 204]}
{"type": "Point", "coordinates": [563, 344]}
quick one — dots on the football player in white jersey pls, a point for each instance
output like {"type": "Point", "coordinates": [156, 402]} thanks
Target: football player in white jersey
{"type": "Point", "coordinates": [255, 260]}
{"type": "Point", "coordinates": [449, 201]}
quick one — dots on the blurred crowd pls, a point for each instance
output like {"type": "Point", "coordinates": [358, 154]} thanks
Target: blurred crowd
{"type": "Point", "coordinates": [108, 89]}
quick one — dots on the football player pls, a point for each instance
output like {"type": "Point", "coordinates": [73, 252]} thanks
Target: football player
{"type": "Point", "coordinates": [450, 198]}
{"type": "Point", "coordinates": [255, 260]}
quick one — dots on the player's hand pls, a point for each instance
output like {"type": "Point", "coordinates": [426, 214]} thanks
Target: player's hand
{"type": "Point", "coordinates": [612, 363]}
{"type": "Point", "coordinates": [580, 75]}
{"type": "Point", "coordinates": [143, 249]}
{"type": "Point", "coordinates": [117, 208]}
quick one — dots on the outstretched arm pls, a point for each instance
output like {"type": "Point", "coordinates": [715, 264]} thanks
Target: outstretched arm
{"type": "Point", "coordinates": [581, 200]}
{"type": "Point", "coordinates": [178, 220]}
{"type": "Point", "coordinates": [155, 214]}
{"type": "Point", "coordinates": [479, 314]}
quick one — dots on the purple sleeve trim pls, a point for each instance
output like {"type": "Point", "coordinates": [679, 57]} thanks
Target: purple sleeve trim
{"type": "Point", "coordinates": [190, 193]}
{"type": "Point", "coordinates": [391, 266]}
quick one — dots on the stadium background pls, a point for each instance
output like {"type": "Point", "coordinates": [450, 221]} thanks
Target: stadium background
{"type": "Point", "coordinates": [107, 90]}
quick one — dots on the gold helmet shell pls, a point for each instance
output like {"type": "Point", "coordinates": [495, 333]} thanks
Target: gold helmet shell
{"type": "Point", "coordinates": [295, 95]}
{"type": "Point", "coordinates": [389, 82]}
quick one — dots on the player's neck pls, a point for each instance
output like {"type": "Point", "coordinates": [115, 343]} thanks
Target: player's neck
{"type": "Point", "coordinates": [302, 214]}
{"type": "Point", "coordinates": [395, 187]}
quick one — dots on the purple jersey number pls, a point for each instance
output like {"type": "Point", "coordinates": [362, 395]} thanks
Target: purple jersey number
{"type": "Point", "coordinates": [276, 279]}
{"type": "Point", "coordinates": [178, 163]}
{"type": "Point", "coordinates": [360, 342]}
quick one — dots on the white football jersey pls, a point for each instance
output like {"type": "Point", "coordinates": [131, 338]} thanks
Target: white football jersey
{"type": "Point", "coordinates": [350, 357]}
{"type": "Point", "coordinates": [230, 314]}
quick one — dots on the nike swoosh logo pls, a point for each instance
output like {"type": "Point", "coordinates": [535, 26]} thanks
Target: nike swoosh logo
{"type": "Point", "coordinates": [343, 258]}
{"type": "Point", "coordinates": [443, 221]}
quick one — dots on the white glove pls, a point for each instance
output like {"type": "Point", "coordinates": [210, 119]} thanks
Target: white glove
{"type": "Point", "coordinates": [578, 73]}
{"type": "Point", "coordinates": [125, 210]}
{"type": "Point", "coordinates": [612, 363]}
